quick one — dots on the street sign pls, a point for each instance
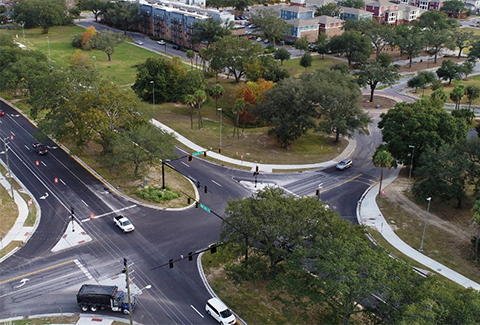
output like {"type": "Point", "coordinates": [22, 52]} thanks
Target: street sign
{"type": "Point", "coordinates": [197, 153]}
{"type": "Point", "coordinates": [204, 207]}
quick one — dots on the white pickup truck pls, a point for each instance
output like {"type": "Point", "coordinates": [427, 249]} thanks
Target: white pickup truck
{"type": "Point", "coordinates": [123, 223]}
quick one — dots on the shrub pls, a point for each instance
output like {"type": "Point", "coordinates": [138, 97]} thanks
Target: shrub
{"type": "Point", "coordinates": [158, 195]}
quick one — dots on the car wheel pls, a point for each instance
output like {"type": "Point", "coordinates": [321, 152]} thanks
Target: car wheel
{"type": "Point", "coordinates": [84, 308]}
{"type": "Point", "coordinates": [126, 312]}
{"type": "Point", "coordinates": [94, 308]}
{"type": "Point", "coordinates": [208, 312]}
{"type": "Point", "coordinates": [123, 231]}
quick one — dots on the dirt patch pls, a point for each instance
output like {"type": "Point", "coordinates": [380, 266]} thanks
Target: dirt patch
{"type": "Point", "coordinates": [395, 194]}
{"type": "Point", "coordinates": [380, 101]}
{"type": "Point", "coordinates": [427, 64]}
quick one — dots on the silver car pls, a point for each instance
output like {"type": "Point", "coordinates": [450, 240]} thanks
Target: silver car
{"type": "Point", "coordinates": [344, 164]}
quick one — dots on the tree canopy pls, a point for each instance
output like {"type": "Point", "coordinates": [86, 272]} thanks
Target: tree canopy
{"type": "Point", "coordinates": [421, 124]}
{"type": "Point", "coordinates": [355, 46]}
{"type": "Point", "coordinates": [211, 30]}
{"type": "Point", "coordinates": [270, 23]}
{"type": "Point", "coordinates": [373, 73]}
{"type": "Point", "coordinates": [45, 14]}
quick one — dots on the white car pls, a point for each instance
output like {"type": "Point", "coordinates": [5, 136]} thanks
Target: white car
{"type": "Point", "coordinates": [162, 42]}
{"type": "Point", "coordinates": [344, 164]}
{"type": "Point", "coordinates": [265, 41]}
{"type": "Point", "coordinates": [259, 39]}
{"type": "Point", "coordinates": [139, 42]}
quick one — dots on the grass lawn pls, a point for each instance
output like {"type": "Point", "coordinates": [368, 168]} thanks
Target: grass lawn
{"type": "Point", "coordinates": [8, 209]}
{"type": "Point", "coordinates": [447, 236]}
{"type": "Point", "coordinates": [293, 65]}
{"type": "Point", "coordinates": [472, 80]}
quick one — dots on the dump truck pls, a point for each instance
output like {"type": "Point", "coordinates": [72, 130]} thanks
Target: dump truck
{"type": "Point", "coordinates": [94, 297]}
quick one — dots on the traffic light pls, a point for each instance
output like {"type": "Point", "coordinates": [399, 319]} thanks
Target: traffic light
{"type": "Point", "coordinates": [170, 263]}
{"type": "Point", "coordinates": [197, 205]}
{"type": "Point", "coordinates": [188, 200]}
{"type": "Point", "coordinates": [256, 169]}
{"type": "Point", "coordinates": [198, 184]}
{"type": "Point", "coordinates": [219, 149]}
{"type": "Point", "coordinates": [206, 189]}
{"type": "Point", "coordinates": [190, 256]}
{"type": "Point", "coordinates": [317, 193]}
{"type": "Point", "coordinates": [205, 153]}
{"type": "Point", "coordinates": [125, 265]}
{"type": "Point", "coordinates": [190, 158]}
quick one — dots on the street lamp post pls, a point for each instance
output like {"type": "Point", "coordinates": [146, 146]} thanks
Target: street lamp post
{"type": "Point", "coordinates": [94, 57]}
{"type": "Point", "coordinates": [48, 41]}
{"type": "Point", "coordinates": [221, 114]}
{"type": "Point", "coordinates": [153, 87]}
{"type": "Point", "coordinates": [8, 165]}
{"type": "Point", "coordinates": [23, 30]}
{"type": "Point", "coordinates": [411, 166]}
{"type": "Point", "coordinates": [425, 227]}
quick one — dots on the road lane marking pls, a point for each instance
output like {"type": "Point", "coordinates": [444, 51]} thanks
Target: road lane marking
{"type": "Point", "coordinates": [185, 164]}
{"type": "Point", "coordinates": [348, 180]}
{"type": "Point", "coordinates": [36, 272]}
{"type": "Point", "coordinates": [84, 269]}
{"type": "Point", "coordinates": [63, 182]}
{"type": "Point", "coordinates": [108, 213]}
{"type": "Point", "coordinates": [197, 311]}
{"type": "Point", "coordinates": [44, 164]}
{"type": "Point", "coordinates": [216, 183]}
{"type": "Point", "coordinates": [84, 202]}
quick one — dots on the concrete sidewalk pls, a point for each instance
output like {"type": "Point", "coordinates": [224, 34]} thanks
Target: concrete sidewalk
{"type": "Point", "coordinates": [369, 214]}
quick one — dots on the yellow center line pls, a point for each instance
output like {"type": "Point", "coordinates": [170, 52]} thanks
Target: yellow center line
{"type": "Point", "coordinates": [348, 180]}
{"type": "Point", "coordinates": [35, 272]}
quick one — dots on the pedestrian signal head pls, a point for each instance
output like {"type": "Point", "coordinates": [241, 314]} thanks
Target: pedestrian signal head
{"type": "Point", "coordinates": [190, 158]}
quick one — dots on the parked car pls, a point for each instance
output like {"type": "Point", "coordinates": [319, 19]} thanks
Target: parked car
{"type": "Point", "coordinates": [259, 39]}
{"type": "Point", "coordinates": [176, 47]}
{"type": "Point", "coordinates": [139, 42]}
{"type": "Point", "coordinates": [313, 48]}
{"type": "Point", "coordinates": [265, 41]}
{"type": "Point", "coordinates": [162, 42]}
{"type": "Point", "coordinates": [344, 164]}
{"type": "Point", "coordinates": [250, 37]}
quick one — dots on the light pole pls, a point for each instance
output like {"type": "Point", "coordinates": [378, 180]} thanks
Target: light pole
{"type": "Point", "coordinates": [153, 87]}
{"type": "Point", "coordinates": [48, 41]}
{"type": "Point", "coordinates": [425, 227]}
{"type": "Point", "coordinates": [94, 57]}
{"type": "Point", "coordinates": [221, 115]}
{"type": "Point", "coordinates": [411, 166]}
{"type": "Point", "coordinates": [23, 30]}
{"type": "Point", "coordinates": [8, 164]}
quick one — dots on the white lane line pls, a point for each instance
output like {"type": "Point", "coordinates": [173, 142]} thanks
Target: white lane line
{"type": "Point", "coordinates": [216, 183]}
{"type": "Point", "coordinates": [108, 213]}
{"type": "Point", "coordinates": [185, 164]}
{"type": "Point", "coordinates": [84, 270]}
{"type": "Point", "coordinates": [12, 133]}
{"type": "Point", "coordinates": [197, 311]}
{"type": "Point", "coordinates": [63, 183]}
{"type": "Point", "coordinates": [84, 202]}
{"type": "Point", "coordinates": [44, 164]}
{"type": "Point", "coordinates": [27, 147]}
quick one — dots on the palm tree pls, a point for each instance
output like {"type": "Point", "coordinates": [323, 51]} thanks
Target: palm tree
{"type": "Point", "coordinates": [200, 96]}
{"type": "Point", "coordinates": [190, 54]}
{"type": "Point", "coordinates": [190, 101]}
{"type": "Point", "coordinates": [216, 92]}
{"type": "Point", "coordinates": [382, 159]}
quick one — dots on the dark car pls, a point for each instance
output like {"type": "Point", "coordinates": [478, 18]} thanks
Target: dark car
{"type": "Point", "coordinates": [176, 47]}
{"type": "Point", "coordinates": [344, 164]}
{"type": "Point", "coordinates": [39, 148]}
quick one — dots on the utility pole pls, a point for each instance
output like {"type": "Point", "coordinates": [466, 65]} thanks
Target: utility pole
{"type": "Point", "coordinates": [128, 291]}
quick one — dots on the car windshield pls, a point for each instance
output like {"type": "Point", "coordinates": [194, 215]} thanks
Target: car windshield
{"type": "Point", "coordinates": [126, 223]}
{"type": "Point", "coordinates": [342, 163]}
{"type": "Point", "coordinates": [226, 313]}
